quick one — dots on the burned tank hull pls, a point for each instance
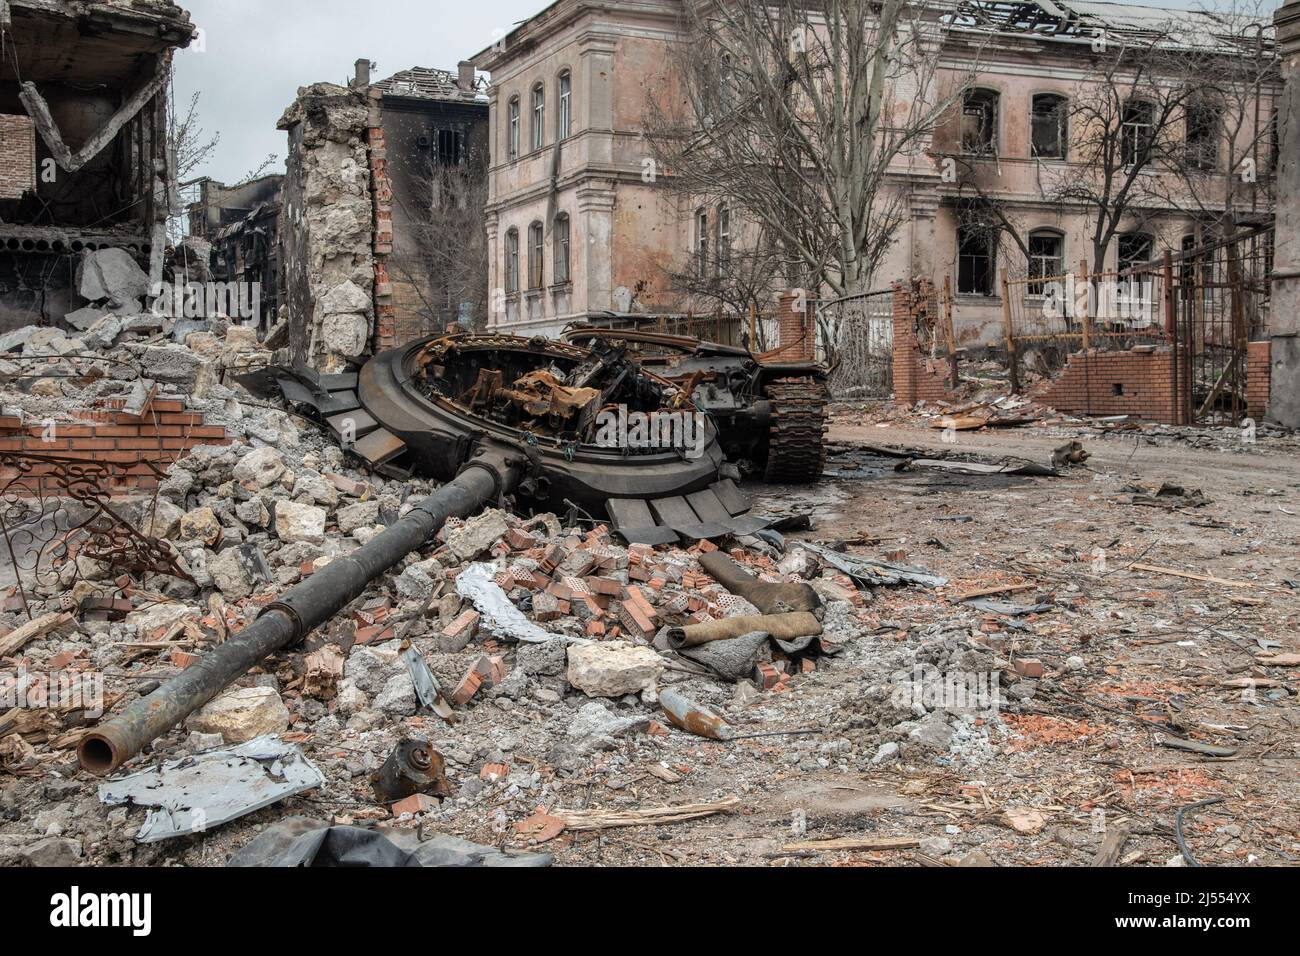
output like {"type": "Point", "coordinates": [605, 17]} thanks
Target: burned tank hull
{"type": "Point", "coordinates": [441, 395]}
{"type": "Point", "coordinates": [771, 413]}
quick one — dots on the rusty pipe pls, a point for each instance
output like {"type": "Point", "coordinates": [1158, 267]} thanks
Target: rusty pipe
{"type": "Point", "coordinates": [489, 474]}
{"type": "Point", "coordinates": [782, 627]}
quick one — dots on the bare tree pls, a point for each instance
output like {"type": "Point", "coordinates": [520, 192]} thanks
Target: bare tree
{"type": "Point", "coordinates": [448, 263]}
{"type": "Point", "coordinates": [1223, 175]}
{"type": "Point", "coordinates": [794, 114]}
{"type": "Point", "coordinates": [1127, 123]}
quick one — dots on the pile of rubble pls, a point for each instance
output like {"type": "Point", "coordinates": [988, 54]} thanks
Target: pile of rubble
{"type": "Point", "coordinates": [505, 630]}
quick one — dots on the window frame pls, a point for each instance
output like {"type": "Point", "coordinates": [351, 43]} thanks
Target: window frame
{"type": "Point", "coordinates": [991, 108]}
{"type": "Point", "coordinates": [1038, 262]}
{"type": "Point", "coordinates": [1208, 150]}
{"type": "Point", "coordinates": [1062, 125]}
{"type": "Point", "coordinates": [563, 249]}
{"type": "Point", "coordinates": [537, 112]}
{"type": "Point", "coordinates": [723, 263]}
{"type": "Point", "coordinates": [564, 105]}
{"type": "Point", "coordinates": [702, 242]}
{"type": "Point", "coordinates": [536, 256]}
{"type": "Point", "coordinates": [1130, 143]}
{"type": "Point", "coordinates": [512, 261]}
{"type": "Point", "coordinates": [990, 254]}
{"type": "Point", "coordinates": [513, 108]}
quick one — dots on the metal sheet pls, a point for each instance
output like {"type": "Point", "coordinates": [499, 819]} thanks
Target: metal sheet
{"type": "Point", "coordinates": [732, 498]}
{"type": "Point", "coordinates": [711, 510]}
{"type": "Point", "coordinates": [363, 423]}
{"type": "Point", "coordinates": [379, 446]}
{"type": "Point", "coordinates": [296, 392]}
{"type": "Point", "coordinates": [339, 382]}
{"type": "Point", "coordinates": [632, 519]}
{"type": "Point", "coordinates": [677, 514]}
{"type": "Point", "coordinates": [339, 402]}
{"type": "Point", "coordinates": [196, 793]}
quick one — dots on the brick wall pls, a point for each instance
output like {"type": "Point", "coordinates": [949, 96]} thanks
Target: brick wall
{"type": "Point", "coordinates": [917, 376]}
{"type": "Point", "coordinates": [796, 327]}
{"type": "Point", "coordinates": [1139, 383]}
{"type": "Point", "coordinates": [164, 432]}
{"type": "Point", "coordinates": [17, 156]}
{"type": "Point", "coordinates": [1259, 378]}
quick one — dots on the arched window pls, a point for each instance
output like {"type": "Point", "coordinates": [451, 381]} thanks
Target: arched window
{"type": "Point", "coordinates": [702, 242]}
{"type": "Point", "coordinates": [512, 128]}
{"type": "Point", "coordinates": [539, 116]}
{"type": "Point", "coordinates": [1136, 121]}
{"type": "Point", "coordinates": [724, 240]}
{"type": "Point", "coordinates": [561, 267]}
{"type": "Point", "coordinates": [1049, 126]}
{"type": "Point", "coordinates": [979, 122]}
{"type": "Point", "coordinates": [536, 249]}
{"type": "Point", "coordinates": [564, 106]}
{"type": "Point", "coordinates": [512, 262]}
{"type": "Point", "coordinates": [1046, 257]}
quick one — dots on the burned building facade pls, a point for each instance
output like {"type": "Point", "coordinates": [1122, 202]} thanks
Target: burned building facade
{"type": "Point", "coordinates": [238, 229]}
{"type": "Point", "coordinates": [84, 159]}
{"type": "Point", "coordinates": [381, 225]}
{"type": "Point", "coordinates": [580, 221]}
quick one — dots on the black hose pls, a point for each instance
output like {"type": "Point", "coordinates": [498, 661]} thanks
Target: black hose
{"type": "Point", "coordinates": [291, 617]}
{"type": "Point", "coordinates": [1178, 826]}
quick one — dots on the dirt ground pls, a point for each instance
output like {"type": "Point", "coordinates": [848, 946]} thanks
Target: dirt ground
{"type": "Point", "coordinates": [1058, 767]}
{"type": "Point", "coordinates": [1056, 773]}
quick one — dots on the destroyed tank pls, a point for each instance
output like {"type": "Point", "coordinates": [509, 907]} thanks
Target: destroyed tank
{"type": "Point", "coordinates": [770, 413]}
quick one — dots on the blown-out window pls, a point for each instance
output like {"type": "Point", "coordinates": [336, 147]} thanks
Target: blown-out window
{"type": "Point", "coordinates": [979, 122]}
{"type": "Point", "coordinates": [1202, 136]}
{"type": "Point", "coordinates": [1048, 126]}
{"type": "Point", "coordinates": [1135, 132]}
{"type": "Point", "coordinates": [1134, 248]}
{"type": "Point", "coordinates": [976, 262]}
{"type": "Point", "coordinates": [1046, 257]}
{"type": "Point", "coordinates": [724, 241]}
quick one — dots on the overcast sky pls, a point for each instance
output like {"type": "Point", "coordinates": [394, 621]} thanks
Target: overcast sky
{"type": "Point", "coordinates": [258, 52]}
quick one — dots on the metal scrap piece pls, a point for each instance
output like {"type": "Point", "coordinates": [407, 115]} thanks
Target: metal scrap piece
{"type": "Point", "coordinates": [875, 572]}
{"type": "Point", "coordinates": [196, 793]}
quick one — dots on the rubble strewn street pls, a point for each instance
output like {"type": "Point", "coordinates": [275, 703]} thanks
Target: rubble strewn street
{"type": "Point", "coordinates": [1140, 656]}
{"type": "Point", "coordinates": [645, 434]}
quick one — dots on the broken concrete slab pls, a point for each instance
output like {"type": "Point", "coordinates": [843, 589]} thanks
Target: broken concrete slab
{"type": "Point", "coordinates": [241, 714]}
{"type": "Point", "coordinates": [613, 668]}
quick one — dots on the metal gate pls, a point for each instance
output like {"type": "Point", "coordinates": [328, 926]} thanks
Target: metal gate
{"type": "Point", "coordinates": [855, 335]}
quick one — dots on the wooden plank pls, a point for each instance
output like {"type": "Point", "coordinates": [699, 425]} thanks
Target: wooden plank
{"type": "Point", "coordinates": [16, 639]}
{"type": "Point", "coordinates": [1208, 579]}
{"type": "Point", "coordinates": [854, 843]}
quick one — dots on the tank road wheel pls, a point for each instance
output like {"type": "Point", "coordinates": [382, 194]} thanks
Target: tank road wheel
{"type": "Point", "coordinates": [796, 452]}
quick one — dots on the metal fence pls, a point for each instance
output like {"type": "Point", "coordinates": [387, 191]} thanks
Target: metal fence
{"type": "Point", "coordinates": [1210, 301]}
{"type": "Point", "coordinates": [855, 336]}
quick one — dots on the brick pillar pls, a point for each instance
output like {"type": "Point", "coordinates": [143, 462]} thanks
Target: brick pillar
{"type": "Point", "coordinates": [904, 347]}
{"type": "Point", "coordinates": [797, 326]}
{"type": "Point", "coordinates": [385, 334]}
{"type": "Point", "coordinates": [1259, 371]}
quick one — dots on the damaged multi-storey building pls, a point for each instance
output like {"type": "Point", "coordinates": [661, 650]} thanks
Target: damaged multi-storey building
{"type": "Point", "coordinates": [381, 229]}
{"type": "Point", "coordinates": [234, 235]}
{"type": "Point", "coordinates": [86, 175]}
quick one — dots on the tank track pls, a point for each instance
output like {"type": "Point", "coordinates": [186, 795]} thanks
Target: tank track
{"type": "Point", "coordinates": [796, 452]}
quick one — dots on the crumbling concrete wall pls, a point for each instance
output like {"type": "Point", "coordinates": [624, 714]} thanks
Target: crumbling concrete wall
{"type": "Point", "coordinates": [327, 227]}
